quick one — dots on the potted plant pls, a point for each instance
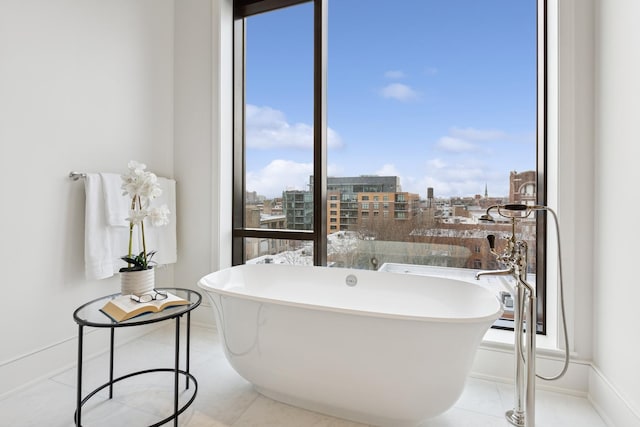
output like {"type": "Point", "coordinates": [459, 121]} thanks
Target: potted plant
{"type": "Point", "coordinates": [142, 187]}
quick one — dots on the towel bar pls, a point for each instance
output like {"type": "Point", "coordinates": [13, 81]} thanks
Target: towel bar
{"type": "Point", "coordinates": [77, 175]}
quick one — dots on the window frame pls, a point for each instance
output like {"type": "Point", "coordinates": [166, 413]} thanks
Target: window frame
{"type": "Point", "coordinates": [243, 9]}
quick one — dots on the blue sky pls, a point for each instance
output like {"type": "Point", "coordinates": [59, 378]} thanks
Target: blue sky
{"type": "Point", "coordinates": [442, 96]}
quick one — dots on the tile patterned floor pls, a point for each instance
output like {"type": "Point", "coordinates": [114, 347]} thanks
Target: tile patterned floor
{"type": "Point", "coordinates": [224, 399]}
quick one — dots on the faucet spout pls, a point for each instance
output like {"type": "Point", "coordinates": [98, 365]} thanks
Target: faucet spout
{"type": "Point", "coordinates": [504, 272]}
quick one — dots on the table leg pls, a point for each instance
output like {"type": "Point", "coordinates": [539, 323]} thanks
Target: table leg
{"type": "Point", "coordinates": [111, 364]}
{"type": "Point", "coordinates": [175, 383]}
{"type": "Point", "coordinates": [79, 378]}
{"type": "Point", "coordinates": [188, 355]}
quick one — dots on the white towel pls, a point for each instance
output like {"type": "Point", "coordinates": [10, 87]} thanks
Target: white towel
{"type": "Point", "coordinates": [116, 204]}
{"type": "Point", "coordinates": [163, 239]}
{"type": "Point", "coordinates": [105, 244]}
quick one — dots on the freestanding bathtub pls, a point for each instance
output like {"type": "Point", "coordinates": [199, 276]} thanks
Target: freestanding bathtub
{"type": "Point", "coordinates": [380, 348]}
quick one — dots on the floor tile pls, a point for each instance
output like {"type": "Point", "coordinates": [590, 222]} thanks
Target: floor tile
{"type": "Point", "coordinates": [46, 400]}
{"type": "Point", "coordinates": [265, 412]}
{"type": "Point", "coordinates": [457, 417]}
{"type": "Point", "coordinates": [223, 395]}
{"type": "Point", "coordinates": [481, 396]}
{"type": "Point", "coordinates": [556, 409]}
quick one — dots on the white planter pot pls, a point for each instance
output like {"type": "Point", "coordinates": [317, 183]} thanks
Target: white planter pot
{"type": "Point", "coordinates": [137, 282]}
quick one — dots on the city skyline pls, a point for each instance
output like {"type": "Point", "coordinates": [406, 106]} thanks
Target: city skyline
{"type": "Point", "coordinates": [437, 96]}
{"type": "Point", "coordinates": [423, 194]}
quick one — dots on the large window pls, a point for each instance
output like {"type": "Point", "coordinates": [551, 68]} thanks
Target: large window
{"type": "Point", "coordinates": [377, 133]}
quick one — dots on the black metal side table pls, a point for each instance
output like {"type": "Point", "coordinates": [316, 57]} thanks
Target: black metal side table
{"type": "Point", "coordinates": [89, 314]}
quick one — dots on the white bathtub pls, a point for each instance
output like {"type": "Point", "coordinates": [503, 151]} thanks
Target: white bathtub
{"type": "Point", "coordinates": [391, 350]}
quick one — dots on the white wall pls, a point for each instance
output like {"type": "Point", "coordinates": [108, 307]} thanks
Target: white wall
{"type": "Point", "coordinates": [194, 146]}
{"type": "Point", "coordinates": [574, 165]}
{"type": "Point", "coordinates": [85, 85]}
{"type": "Point", "coordinates": [202, 152]}
{"type": "Point", "coordinates": [617, 172]}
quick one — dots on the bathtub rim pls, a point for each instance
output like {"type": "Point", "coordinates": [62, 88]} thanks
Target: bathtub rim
{"type": "Point", "coordinates": [492, 317]}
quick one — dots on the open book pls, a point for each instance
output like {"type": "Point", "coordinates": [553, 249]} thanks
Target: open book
{"type": "Point", "coordinates": [124, 308]}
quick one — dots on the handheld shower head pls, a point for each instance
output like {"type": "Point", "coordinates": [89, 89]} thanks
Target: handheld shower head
{"type": "Point", "coordinates": [514, 207]}
{"type": "Point", "coordinates": [512, 211]}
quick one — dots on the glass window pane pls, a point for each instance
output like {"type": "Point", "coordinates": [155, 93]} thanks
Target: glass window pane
{"type": "Point", "coordinates": [279, 118]}
{"type": "Point", "coordinates": [278, 251]}
{"type": "Point", "coordinates": [434, 105]}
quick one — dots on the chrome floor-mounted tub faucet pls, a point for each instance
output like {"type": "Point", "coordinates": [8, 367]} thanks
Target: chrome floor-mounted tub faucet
{"type": "Point", "coordinates": [514, 259]}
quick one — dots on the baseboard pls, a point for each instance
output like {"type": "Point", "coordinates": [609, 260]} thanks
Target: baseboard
{"type": "Point", "coordinates": [46, 362]}
{"type": "Point", "coordinates": [614, 409]}
{"type": "Point", "coordinates": [497, 364]}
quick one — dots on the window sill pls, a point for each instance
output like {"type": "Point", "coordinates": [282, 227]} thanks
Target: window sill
{"type": "Point", "coordinates": [503, 339]}
{"type": "Point", "coordinates": [494, 338]}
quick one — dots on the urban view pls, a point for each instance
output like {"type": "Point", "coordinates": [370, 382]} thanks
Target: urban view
{"type": "Point", "coordinates": [371, 221]}
{"type": "Point", "coordinates": [426, 127]}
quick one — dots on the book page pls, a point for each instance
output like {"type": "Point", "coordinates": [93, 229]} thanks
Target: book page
{"type": "Point", "coordinates": [124, 307]}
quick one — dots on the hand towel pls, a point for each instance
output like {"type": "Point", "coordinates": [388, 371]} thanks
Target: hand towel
{"type": "Point", "coordinates": [116, 204]}
{"type": "Point", "coordinates": [103, 244]}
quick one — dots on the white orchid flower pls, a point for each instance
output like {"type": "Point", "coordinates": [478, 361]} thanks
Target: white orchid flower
{"type": "Point", "coordinates": [159, 216]}
{"type": "Point", "coordinates": [136, 216]}
{"type": "Point", "coordinates": [136, 167]}
{"type": "Point", "coordinates": [138, 183]}
{"type": "Point", "coordinates": [149, 187]}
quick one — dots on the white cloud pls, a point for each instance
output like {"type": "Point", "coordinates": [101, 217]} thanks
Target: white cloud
{"type": "Point", "coordinates": [400, 92]}
{"type": "Point", "coordinates": [449, 179]}
{"type": "Point", "coordinates": [455, 145]}
{"type": "Point", "coordinates": [335, 170]}
{"type": "Point", "coordinates": [478, 134]}
{"type": "Point", "coordinates": [460, 170]}
{"type": "Point", "coordinates": [279, 175]}
{"type": "Point", "coordinates": [268, 128]}
{"type": "Point", "coordinates": [462, 179]}
{"type": "Point", "coordinates": [388, 170]}
{"type": "Point", "coordinates": [407, 183]}
{"type": "Point", "coordinates": [395, 74]}
{"type": "Point", "coordinates": [464, 140]}
{"type": "Point", "coordinates": [436, 164]}
{"type": "Point", "coordinates": [443, 188]}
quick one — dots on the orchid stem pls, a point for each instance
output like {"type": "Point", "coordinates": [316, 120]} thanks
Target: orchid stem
{"type": "Point", "coordinates": [144, 243]}
{"type": "Point", "coordinates": [133, 206]}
